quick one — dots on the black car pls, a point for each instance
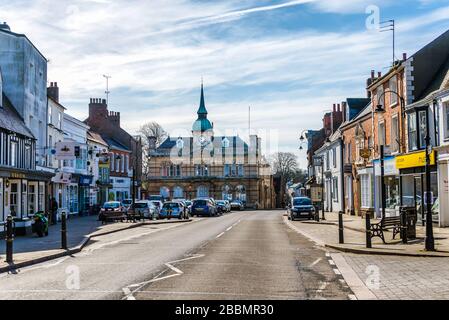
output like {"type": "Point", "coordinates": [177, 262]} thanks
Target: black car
{"type": "Point", "coordinates": [301, 208]}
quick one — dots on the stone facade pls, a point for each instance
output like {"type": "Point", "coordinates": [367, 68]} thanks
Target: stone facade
{"type": "Point", "coordinates": [205, 165]}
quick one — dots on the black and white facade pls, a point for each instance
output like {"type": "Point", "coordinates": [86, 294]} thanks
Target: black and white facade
{"type": "Point", "coordinates": [22, 187]}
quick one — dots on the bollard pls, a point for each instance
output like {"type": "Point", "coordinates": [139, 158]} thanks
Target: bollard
{"type": "Point", "coordinates": [341, 237]}
{"type": "Point", "coordinates": [404, 227]}
{"type": "Point", "coordinates": [64, 231]}
{"type": "Point", "coordinates": [368, 231]}
{"type": "Point", "coordinates": [9, 240]}
{"type": "Point", "coordinates": [317, 214]}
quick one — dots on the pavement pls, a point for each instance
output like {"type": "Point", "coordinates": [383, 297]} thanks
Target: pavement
{"type": "Point", "coordinates": [390, 272]}
{"type": "Point", "coordinates": [241, 255]}
{"type": "Point", "coordinates": [31, 249]}
{"type": "Point", "coordinates": [326, 234]}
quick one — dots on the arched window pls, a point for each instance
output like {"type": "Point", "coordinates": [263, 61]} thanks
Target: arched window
{"type": "Point", "coordinates": [203, 192]}
{"type": "Point", "coordinates": [178, 193]}
{"type": "Point", "coordinates": [165, 192]}
{"type": "Point", "coordinates": [240, 193]}
{"type": "Point", "coordinates": [226, 192]}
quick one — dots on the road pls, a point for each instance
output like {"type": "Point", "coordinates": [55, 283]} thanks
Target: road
{"type": "Point", "coordinates": [242, 255]}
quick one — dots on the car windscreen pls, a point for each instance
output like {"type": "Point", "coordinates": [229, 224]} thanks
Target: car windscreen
{"type": "Point", "coordinates": [221, 202]}
{"type": "Point", "coordinates": [200, 203]}
{"type": "Point", "coordinates": [140, 205]}
{"type": "Point", "coordinates": [157, 204]}
{"type": "Point", "coordinates": [111, 205]}
{"type": "Point", "coordinates": [171, 205]}
{"type": "Point", "coordinates": [302, 202]}
{"type": "Point", "coordinates": [127, 201]}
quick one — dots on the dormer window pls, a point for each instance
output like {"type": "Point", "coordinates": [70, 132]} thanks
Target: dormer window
{"type": "Point", "coordinates": [225, 143]}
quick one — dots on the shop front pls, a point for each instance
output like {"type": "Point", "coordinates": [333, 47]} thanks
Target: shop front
{"type": "Point", "coordinates": [413, 183]}
{"type": "Point", "coordinates": [443, 185]}
{"type": "Point", "coordinates": [391, 180]}
{"type": "Point", "coordinates": [22, 194]}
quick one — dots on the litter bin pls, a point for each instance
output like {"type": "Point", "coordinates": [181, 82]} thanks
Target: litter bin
{"type": "Point", "coordinates": [411, 218]}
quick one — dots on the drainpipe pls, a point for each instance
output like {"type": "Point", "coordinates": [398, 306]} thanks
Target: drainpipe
{"type": "Point", "coordinates": [343, 200]}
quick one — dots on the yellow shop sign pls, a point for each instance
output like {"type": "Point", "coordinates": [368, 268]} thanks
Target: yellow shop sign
{"type": "Point", "coordinates": [414, 160]}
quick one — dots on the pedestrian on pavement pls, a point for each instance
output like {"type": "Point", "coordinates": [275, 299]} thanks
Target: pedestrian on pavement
{"type": "Point", "coordinates": [54, 210]}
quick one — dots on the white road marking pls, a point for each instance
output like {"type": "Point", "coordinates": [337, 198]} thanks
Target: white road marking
{"type": "Point", "coordinates": [129, 294]}
{"type": "Point", "coordinates": [220, 235]}
{"type": "Point", "coordinates": [336, 271]}
{"type": "Point", "coordinates": [229, 229]}
{"type": "Point", "coordinates": [315, 262]}
{"type": "Point", "coordinates": [352, 297]}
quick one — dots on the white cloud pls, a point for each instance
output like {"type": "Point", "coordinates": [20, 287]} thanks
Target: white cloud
{"type": "Point", "coordinates": [157, 54]}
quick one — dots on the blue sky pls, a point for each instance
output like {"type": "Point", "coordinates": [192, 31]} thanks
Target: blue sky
{"type": "Point", "coordinates": [290, 60]}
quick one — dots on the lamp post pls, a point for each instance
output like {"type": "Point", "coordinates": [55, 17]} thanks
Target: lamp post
{"type": "Point", "coordinates": [430, 241]}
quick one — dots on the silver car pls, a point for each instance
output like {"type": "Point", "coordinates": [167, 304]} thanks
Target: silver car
{"type": "Point", "coordinates": [145, 210]}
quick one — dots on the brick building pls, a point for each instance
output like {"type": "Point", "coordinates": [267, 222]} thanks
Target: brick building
{"type": "Point", "coordinates": [205, 165]}
{"type": "Point", "coordinates": [125, 150]}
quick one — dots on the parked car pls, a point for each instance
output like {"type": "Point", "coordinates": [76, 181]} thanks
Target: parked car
{"type": "Point", "coordinates": [173, 210]}
{"type": "Point", "coordinates": [158, 205]}
{"type": "Point", "coordinates": [301, 207]}
{"type": "Point", "coordinates": [144, 210]}
{"type": "Point", "coordinates": [237, 205]}
{"type": "Point", "coordinates": [222, 206]}
{"type": "Point", "coordinates": [111, 211]}
{"type": "Point", "coordinates": [204, 207]}
{"type": "Point", "coordinates": [127, 203]}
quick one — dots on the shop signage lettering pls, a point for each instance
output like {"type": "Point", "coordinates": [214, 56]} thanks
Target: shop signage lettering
{"type": "Point", "coordinates": [414, 160]}
{"type": "Point", "coordinates": [65, 151]}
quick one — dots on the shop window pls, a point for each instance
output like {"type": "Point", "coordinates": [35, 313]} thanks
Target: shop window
{"type": "Point", "coordinates": [24, 197]}
{"type": "Point", "coordinates": [13, 199]}
{"type": "Point", "coordinates": [41, 197]}
{"type": "Point", "coordinates": [366, 191]}
{"type": "Point", "coordinates": [31, 199]}
{"type": "Point", "coordinates": [227, 170]}
{"type": "Point", "coordinates": [392, 199]}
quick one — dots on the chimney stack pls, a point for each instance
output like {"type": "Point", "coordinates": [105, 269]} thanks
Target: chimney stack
{"type": "Point", "coordinates": [53, 91]}
{"type": "Point", "coordinates": [343, 109]}
{"type": "Point", "coordinates": [379, 74]}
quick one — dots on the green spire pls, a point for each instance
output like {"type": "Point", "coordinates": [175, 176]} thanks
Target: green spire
{"type": "Point", "coordinates": [202, 124]}
{"type": "Point", "coordinates": [202, 112]}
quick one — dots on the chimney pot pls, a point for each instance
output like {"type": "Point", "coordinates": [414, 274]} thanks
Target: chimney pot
{"type": "Point", "coordinates": [372, 74]}
{"type": "Point", "coordinates": [404, 56]}
{"type": "Point", "coordinates": [379, 74]}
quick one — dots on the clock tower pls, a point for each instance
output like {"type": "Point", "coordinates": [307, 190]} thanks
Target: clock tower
{"type": "Point", "coordinates": [202, 129]}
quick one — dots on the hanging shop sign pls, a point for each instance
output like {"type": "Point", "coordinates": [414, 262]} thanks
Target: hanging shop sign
{"type": "Point", "coordinates": [414, 160]}
{"type": "Point", "coordinates": [63, 178]}
{"type": "Point", "coordinates": [65, 151]}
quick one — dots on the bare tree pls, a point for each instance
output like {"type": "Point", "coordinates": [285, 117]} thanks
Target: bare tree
{"type": "Point", "coordinates": [285, 166]}
{"type": "Point", "coordinates": [150, 129]}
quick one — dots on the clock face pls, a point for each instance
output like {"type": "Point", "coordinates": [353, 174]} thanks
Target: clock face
{"type": "Point", "coordinates": [202, 141]}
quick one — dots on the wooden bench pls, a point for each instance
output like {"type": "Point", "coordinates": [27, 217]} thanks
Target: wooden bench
{"type": "Point", "coordinates": [387, 223]}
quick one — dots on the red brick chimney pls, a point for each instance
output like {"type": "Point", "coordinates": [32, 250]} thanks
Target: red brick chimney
{"type": "Point", "coordinates": [98, 109]}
